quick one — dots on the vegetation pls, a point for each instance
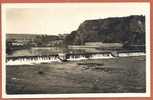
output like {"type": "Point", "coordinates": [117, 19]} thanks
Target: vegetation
{"type": "Point", "coordinates": [126, 30]}
{"type": "Point", "coordinates": [43, 40]}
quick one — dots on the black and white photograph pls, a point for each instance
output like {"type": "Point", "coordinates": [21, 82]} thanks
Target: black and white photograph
{"type": "Point", "coordinates": [76, 50]}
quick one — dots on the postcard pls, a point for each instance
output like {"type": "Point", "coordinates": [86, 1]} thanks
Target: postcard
{"type": "Point", "coordinates": [72, 50]}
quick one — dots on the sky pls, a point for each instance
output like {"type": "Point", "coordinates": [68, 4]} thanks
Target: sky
{"type": "Point", "coordinates": [62, 18]}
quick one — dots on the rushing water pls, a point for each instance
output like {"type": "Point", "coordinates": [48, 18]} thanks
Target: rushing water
{"type": "Point", "coordinates": [50, 59]}
{"type": "Point", "coordinates": [37, 52]}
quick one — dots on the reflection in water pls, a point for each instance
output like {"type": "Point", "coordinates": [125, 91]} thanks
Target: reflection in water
{"type": "Point", "coordinates": [36, 51]}
{"type": "Point", "coordinates": [25, 52]}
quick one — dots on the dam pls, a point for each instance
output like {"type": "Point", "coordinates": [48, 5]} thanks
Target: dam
{"type": "Point", "coordinates": [42, 59]}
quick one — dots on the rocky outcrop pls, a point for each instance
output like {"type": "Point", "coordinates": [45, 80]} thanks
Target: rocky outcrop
{"type": "Point", "coordinates": [126, 30]}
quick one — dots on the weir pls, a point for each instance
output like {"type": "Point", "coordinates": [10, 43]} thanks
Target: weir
{"type": "Point", "coordinates": [30, 60]}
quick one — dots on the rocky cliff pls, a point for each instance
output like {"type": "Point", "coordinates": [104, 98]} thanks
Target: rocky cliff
{"type": "Point", "coordinates": [126, 30]}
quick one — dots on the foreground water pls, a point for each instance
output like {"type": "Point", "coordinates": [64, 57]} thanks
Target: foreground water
{"type": "Point", "coordinates": [120, 75]}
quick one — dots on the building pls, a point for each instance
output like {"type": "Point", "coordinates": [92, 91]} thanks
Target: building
{"type": "Point", "coordinates": [96, 46]}
{"type": "Point", "coordinates": [104, 45]}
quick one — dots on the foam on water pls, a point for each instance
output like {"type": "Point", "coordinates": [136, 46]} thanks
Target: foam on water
{"type": "Point", "coordinates": [32, 61]}
{"type": "Point", "coordinates": [131, 54]}
{"type": "Point", "coordinates": [102, 56]}
{"type": "Point", "coordinates": [39, 60]}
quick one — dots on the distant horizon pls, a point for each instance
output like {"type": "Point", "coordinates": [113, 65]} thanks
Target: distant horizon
{"type": "Point", "coordinates": [58, 18]}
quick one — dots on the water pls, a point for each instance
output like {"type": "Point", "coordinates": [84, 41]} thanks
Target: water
{"type": "Point", "coordinates": [50, 59]}
{"type": "Point", "coordinates": [36, 51]}
{"type": "Point", "coordinates": [31, 61]}
{"type": "Point", "coordinates": [131, 54]}
{"type": "Point", "coordinates": [39, 51]}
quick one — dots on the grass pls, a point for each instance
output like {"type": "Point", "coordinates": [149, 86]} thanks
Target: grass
{"type": "Point", "coordinates": [120, 75]}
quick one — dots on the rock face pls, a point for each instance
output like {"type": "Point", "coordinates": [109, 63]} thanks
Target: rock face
{"type": "Point", "coordinates": [126, 30]}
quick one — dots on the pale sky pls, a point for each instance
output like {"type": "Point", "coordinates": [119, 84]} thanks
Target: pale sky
{"type": "Point", "coordinates": [62, 18]}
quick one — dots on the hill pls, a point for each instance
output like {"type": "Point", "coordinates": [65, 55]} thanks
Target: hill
{"type": "Point", "coordinates": [126, 30]}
